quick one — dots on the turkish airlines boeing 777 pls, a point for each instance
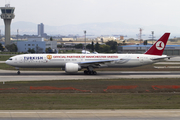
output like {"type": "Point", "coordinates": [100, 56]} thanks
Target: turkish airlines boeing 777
{"type": "Point", "coordinates": [72, 63]}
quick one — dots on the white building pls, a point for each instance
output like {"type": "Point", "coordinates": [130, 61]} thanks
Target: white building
{"type": "Point", "coordinates": [38, 44]}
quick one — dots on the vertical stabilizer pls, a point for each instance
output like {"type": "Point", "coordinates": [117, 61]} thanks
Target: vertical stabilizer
{"type": "Point", "coordinates": [158, 47]}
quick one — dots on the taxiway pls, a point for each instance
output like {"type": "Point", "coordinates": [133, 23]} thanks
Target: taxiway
{"type": "Point", "coordinates": [91, 114]}
{"type": "Point", "coordinates": [9, 75]}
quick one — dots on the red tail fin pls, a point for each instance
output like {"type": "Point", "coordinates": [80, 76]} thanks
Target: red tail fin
{"type": "Point", "coordinates": [158, 47]}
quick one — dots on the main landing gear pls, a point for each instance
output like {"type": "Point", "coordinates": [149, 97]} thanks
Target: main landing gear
{"type": "Point", "coordinates": [18, 71]}
{"type": "Point", "coordinates": [87, 72]}
{"type": "Point", "coordinates": [90, 71]}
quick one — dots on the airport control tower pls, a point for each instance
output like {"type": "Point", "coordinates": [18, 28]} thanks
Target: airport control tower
{"type": "Point", "coordinates": [7, 15]}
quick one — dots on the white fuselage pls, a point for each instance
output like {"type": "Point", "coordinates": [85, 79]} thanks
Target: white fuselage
{"type": "Point", "coordinates": [59, 60]}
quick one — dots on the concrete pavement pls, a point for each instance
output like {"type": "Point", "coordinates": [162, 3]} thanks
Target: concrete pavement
{"type": "Point", "coordinates": [91, 114]}
{"type": "Point", "coordinates": [9, 75]}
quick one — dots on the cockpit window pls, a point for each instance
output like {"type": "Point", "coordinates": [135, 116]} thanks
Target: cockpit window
{"type": "Point", "coordinates": [10, 59]}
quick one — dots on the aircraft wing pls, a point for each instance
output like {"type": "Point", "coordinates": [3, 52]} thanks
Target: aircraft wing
{"type": "Point", "coordinates": [98, 61]}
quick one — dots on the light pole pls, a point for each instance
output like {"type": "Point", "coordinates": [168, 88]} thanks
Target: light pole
{"type": "Point", "coordinates": [17, 34]}
{"type": "Point", "coordinates": [85, 40]}
{"type": "Point", "coordinates": [152, 36]}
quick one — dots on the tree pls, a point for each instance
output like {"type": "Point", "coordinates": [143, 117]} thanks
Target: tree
{"type": "Point", "coordinates": [145, 42]}
{"type": "Point", "coordinates": [97, 47]}
{"type": "Point", "coordinates": [12, 47]}
{"type": "Point", "coordinates": [31, 50]}
{"type": "Point", "coordinates": [104, 49]}
{"type": "Point", "coordinates": [48, 50]}
{"type": "Point", "coordinates": [59, 46]}
{"type": "Point", "coordinates": [1, 47]}
{"type": "Point", "coordinates": [92, 46]}
{"type": "Point", "coordinates": [79, 46]}
{"type": "Point", "coordinates": [51, 39]}
{"type": "Point", "coordinates": [88, 46]}
{"type": "Point", "coordinates": [113, 45]}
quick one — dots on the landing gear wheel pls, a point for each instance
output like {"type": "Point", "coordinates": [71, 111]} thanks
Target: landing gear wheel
{"type": "Point", "coordinates": [90, 72]}
{"type": "Point", "coordinates": [85, 72]}
{"type": "Point", "coordinates": [18, 73]}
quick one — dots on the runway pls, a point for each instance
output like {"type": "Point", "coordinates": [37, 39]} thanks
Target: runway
{"type": "Point", "coordinates": [9, 75]}
{"type": "Point", "coordinates": [155, 114]}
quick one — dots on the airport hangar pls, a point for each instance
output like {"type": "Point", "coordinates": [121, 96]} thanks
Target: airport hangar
{"type": "Point", "coordinates": [169, 49]}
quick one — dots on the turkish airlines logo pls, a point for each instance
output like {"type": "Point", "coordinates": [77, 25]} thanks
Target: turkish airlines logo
{"type": "Point", "coordinates": [49, 57]}
{"type": "Point", "coordinates": [160, 45]}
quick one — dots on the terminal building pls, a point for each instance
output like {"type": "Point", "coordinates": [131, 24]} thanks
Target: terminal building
{"type": "Point", "coordinates": [132, 49]}
{"type": "Point", "coordinates": [38, 44]}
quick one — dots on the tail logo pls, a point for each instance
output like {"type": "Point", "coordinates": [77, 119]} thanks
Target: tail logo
{"type": "Point", "coordinates": [160, 45]}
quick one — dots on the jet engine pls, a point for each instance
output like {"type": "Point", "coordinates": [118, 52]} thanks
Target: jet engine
{"type": "Point", "coordinates": [72, 67]}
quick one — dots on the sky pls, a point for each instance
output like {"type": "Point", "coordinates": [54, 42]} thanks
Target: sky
{"type": "Point", "coordinates": [65, 12]}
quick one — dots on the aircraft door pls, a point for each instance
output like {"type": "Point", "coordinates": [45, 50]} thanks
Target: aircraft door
{"type": "Point", "coordinates": [21, 59]}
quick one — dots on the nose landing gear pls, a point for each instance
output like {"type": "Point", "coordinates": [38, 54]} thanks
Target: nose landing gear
{"type": "Point", "coordinates": [18, 71]}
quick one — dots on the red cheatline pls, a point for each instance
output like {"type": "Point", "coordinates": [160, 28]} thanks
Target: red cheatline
{"type": "Point", "coordinates": [156, 87]}
{"type": "Point", "coordinates": [56, 88]}
{"type": "Point", "coordinates": [8, 88]}
{"type": "Point", "coordinates": [121, 87]}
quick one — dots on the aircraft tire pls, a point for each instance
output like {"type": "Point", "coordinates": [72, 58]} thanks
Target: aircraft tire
{"type": "Point", "coordinates": [95, 73]}
{"type": "Point", "coordinates": [86, 72]}
{"type": "Point", "coordinates": [18, 73]}
{"type": "Point", "coordinates": [90, 72]}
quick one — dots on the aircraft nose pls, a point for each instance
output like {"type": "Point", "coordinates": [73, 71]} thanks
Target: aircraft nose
{"type": "Point", "coordinates": [7, 62]}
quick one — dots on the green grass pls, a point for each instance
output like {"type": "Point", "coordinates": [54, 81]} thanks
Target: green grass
{"type": "Point", "coordinates": [11, 53]}
{"type": "Point", "coordinates": [23, 98]}
{"type": "Point", "coordinates": [88, 101]}
{"type": "Point", "coordinates": [95, 86]}
{"type": "Point", "coordinates": [4, 66]}
{"type": "Point", "coordinates": [4, 57]}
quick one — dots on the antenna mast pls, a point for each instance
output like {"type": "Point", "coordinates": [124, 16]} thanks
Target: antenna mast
{"type": "Point", "coordinates": [140, 34]}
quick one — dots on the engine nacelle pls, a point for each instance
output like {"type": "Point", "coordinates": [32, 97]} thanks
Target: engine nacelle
{"type": "Point", "coordinates": [72, 67]}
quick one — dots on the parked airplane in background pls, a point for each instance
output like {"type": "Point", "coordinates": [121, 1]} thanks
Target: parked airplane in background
{"type": "Point", "coordinates": [72, 63]}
